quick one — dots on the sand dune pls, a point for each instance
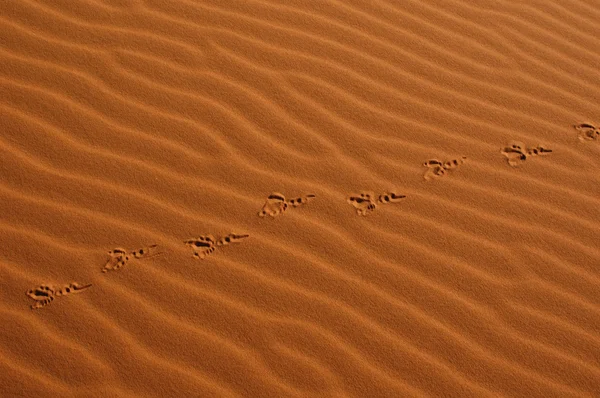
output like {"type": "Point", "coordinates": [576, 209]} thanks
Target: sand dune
{"type": "Point", "coordinates": [132, 123]}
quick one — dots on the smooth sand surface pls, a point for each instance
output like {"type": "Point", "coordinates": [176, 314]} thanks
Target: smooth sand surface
{"type": "Point", "coordinates": [129, 123]}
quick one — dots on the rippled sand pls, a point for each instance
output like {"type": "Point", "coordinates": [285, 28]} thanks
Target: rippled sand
{"type": "Point", "coordinates": [132, 123]}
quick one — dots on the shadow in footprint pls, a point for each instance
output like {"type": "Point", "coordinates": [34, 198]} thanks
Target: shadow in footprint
{"type": "Point", "coordinates": [363, 203]}
{"type": "Point", "coordinates": [202, 245]}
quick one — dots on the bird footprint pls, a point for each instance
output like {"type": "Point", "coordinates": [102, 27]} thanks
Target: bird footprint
{"type": "Point", "coordinates": [207, 244]}
{"type": "Point", "coordinates": [516, 152]}
{"type": "Point", "coordinates": [366, 202]}
{"type": "Point", "coordinates": [587, 132]}
{"type": "Point", "coordinates": [119, 257]}
{"type": "Point", "coordinates": [45, 294]}
{"type": "Point", "coordinates": [437, 168]}
{"type": "Point", "coordinates": [276, 204]}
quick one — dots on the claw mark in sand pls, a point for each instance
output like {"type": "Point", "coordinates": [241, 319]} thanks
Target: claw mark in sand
{"type": "Point", "coordinates": [119, 257]}
{"type": "Point", "coordinates": [276, 204]}
{"type": "Point", "coordinates": [365, 202]}
{"type": "Point", "coordinates": [437, 168]}
{"type": "Point", "coordinates": [516, 152]}
{"type": "Point", "coordinates": [587, 132]}
{"type": "Point", "coordinates": [207, 244]}
{"type": "Point", "coordinates": [45, 294]}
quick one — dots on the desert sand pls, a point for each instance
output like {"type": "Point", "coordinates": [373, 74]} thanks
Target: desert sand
{"type": "Point", "coordinates": [132, 123]}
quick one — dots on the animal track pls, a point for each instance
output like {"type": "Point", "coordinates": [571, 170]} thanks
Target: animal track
{"type": "Point", "coordinates": [587, 132]}
{"type": "Point", "coordinates": [276, 204]}
{"type": "Point", "coordinates": [436, 168]}
{"type": "Point", "coordinates": [119, 257]}
{"type": "Point", "coordinates": [516, 152]}
{"type": "Point", "coordinates": [365, 202]}
{"type": "Point", "coordinates": [207, 244]}
{"type": "Point", "coordinates": [45, 294]}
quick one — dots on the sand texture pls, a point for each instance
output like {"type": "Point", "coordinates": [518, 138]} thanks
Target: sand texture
{"type": "Point", "coordinates": [269, 198]}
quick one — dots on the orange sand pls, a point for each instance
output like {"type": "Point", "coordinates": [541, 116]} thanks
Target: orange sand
{"type": "Point", "coordinates": [127, 123]}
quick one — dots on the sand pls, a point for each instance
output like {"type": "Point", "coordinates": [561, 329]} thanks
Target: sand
{"type": "Point", "coordinates": [132, 123]}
